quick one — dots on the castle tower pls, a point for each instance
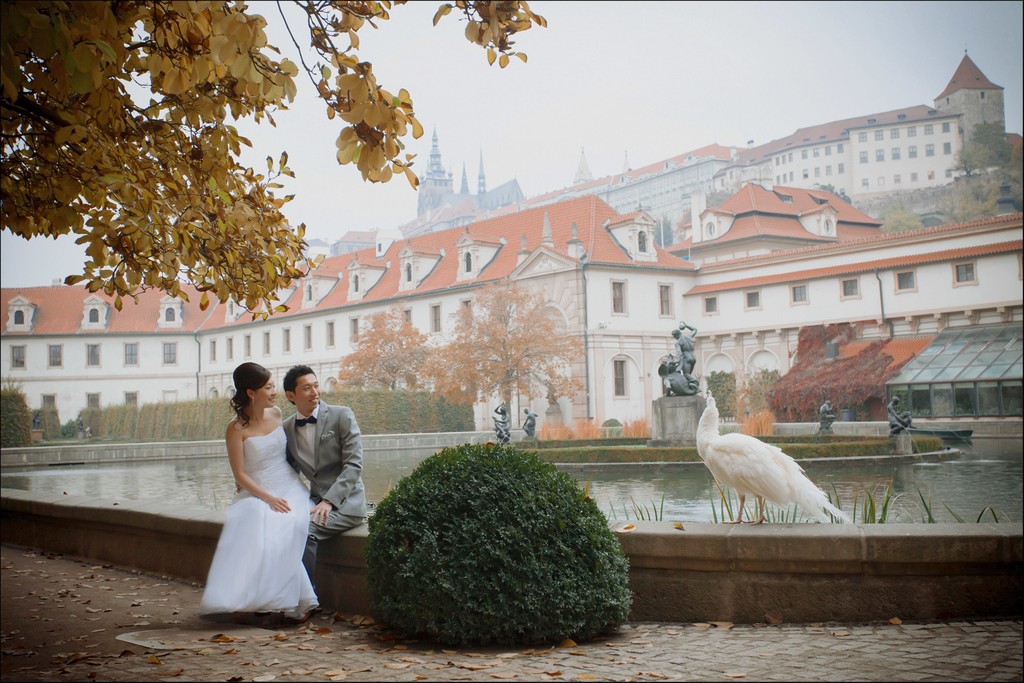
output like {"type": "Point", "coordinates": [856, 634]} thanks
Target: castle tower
{"type": "Point", "coordinates": [436, 184]}
{"type": "Point", "coordinates": [481, 181]}
{"type": "Point", "coordinates": [977, 99]}
{"type": "Point", "coordinates": [582, 170]}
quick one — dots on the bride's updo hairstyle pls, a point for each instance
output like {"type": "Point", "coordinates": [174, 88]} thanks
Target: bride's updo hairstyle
{"type": "Point", "coordinates": [246, 376]}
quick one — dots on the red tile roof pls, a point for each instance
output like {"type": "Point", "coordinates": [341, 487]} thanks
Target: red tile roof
{"type": "Point", "coordinates": [863, 266]}
{"type": "Point", "coordinates": [968, 77]}
{"type": "Point", "coordinates": [901, 350]}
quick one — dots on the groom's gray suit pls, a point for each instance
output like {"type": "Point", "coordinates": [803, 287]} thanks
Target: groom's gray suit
{"type": "Point", "coordinates": [334, 471]}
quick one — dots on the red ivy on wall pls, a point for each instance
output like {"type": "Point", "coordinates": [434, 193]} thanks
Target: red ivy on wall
{"type": "Point", "coordinates": [848, 382]}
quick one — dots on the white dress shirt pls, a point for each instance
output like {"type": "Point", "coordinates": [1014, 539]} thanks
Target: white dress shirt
{"type": "Point", "coordinates": [304, 438]}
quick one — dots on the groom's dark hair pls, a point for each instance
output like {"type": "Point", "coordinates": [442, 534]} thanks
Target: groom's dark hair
{"type": "Point", "coordinates": [291, 378]}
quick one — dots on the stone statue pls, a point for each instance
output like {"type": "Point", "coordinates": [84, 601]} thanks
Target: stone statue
{"type": "Point", "coordinates": [898, 421]}
{"type": "Point", "coordinates": [827, 416]}
{"type": "Point", "coordinates": [530, 423]}
{"type": "Point", "coordinates": [37, 420]}
{"type": "Point", "coordinates": [501, 424]}
{"type": "Point", "coordinates": [676, 370]}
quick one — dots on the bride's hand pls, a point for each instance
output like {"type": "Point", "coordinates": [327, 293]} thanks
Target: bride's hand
{"type": "Point", "coordinates": [279, 505]}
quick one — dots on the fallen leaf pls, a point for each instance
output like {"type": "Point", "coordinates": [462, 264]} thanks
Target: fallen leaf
{"type": "Point", "coordinates": [508, 675]}
{"type": "Point", "coordinates": [222, 638]}
{"type": "Point", "coordinates": [153, 659]}
{"type": "Point", "coordinates": [568, 642]}
{"type": "Point", "coordinates": [735, 674]}
{"type": "Point", "coordinates": [651, 673]}
{"type": "Point", "coordinates": [896, 621]}
{"type": "Point", "coordinates": [678, 525]}
{"type": "Point", "coordinates": [773, 617]}
{"type": "Point", "coordinates": [265, 677]}
{"type": "Point", "coordinates": [840, 634]}
{"type": "Point", "coordinates": [412, 660]}
{"type": "Point", "coordinates": [396, 665]}
{"type": "Point", "coordinates": [450, 652]}
{"type": "Point", "coordinates": [722, 624]}
{"type": "Point", "coordinates": [626, 528]}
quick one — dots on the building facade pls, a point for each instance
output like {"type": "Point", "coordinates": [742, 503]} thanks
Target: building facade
{"type": "Point", "coordinates": [600, 272]}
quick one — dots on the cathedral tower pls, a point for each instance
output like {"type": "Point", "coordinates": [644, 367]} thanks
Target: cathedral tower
{"type": "Point", "coordinates": [977, 99]}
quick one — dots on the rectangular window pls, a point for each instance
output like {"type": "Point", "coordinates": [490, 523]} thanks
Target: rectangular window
{"type": "Point", "coordinates": [131, 398]}
{"type": "Point", "coordinates": [711, 304]}
{"type": "Point", "coordinates": [964, 274]}
{"type": "Point", "coordinates": [266, 343]}
{"type": "Point", "coordinates": [881, 180]}
{"type": "Point", "coordinates": [49, 400]}
{"type": "Point", "coordinates": [897, 179]}
{"type": "Point", "coordinates": [92, 355]}
{"type": "Point", "coordinates": [863, 157]}
{"type": "Point", "coordinates": [879, 155]}
{"type": "Point", "coordinates": [618, 297]}
{"type": "Point", "coordinates": [408, 315]}
{"type": "Point", "coordinates": [817, 152]}
{"type": "Point", "coordinates": [353, 330]}
{"type": "Point", "coordinates": [435, 318]}
{"type": "Point", "coordinates": [753, 300]}
{"type": "Point", "coordinates": [929, 150]}
{"type": "Point", "coordinates": [329, 334]}
{"type": "Point", "coordinates": [817, 171]}
{"type": "Point", "coordinates": [803, 154]}
{"type": "Point", "coordinates": [17, 356]}
{"type": "Point", "coordinates": [945, 127]}
{"type": "Point", "coordinates": [947, 147]}
{"type": "Point", "coordinates": [828, 170]}
{"type": "Point", "coordinates": [895, 153]}
{"type": "Point", "coordinates": [798, 294]}
{"type": "Point", "coordinates": [912, 151]}
{"type": "Point", "coordinates": [286, 341]}
{"type": "Point", "coordinates": [92, 400]}
{"type": "Point", "coordinates": [862, 137]}
{"type": "Point", "coordinates": [213, 351]}
{"type": "Point", "coordinates": [828, 150]}
{"type": "Point", "coordinates": [230, 348]}
{"type": "Point", "coordinates": [839, 148]}
{"type": "Point", "coordinates": [665, 299]}
{"type": "Point", "coordinates": [170, 353]}
{"type": "Point", "coordinates": [56, 356]}
{"type": "Point", "coordinates": [307, 337]}
{"type": "Point", "coordinates": [929, 129]}
{"type": "Point", "coordinates": [806, 175]}
{"type": "Point", "coordinates": [841, 168]}
{"type": "Point", "coordinates": [894, 134]}
{"type": "Point", "coordinates": [912, 132]}
{"type": "Point", "coordinates": [247, 345]}
{"type": "Point", "coordinates": [864, 183]}
{"type": "Point", "coordinates": [879, 134]}
{"type": "Point", "coordinates": [850, 288]}
{"type": "Point", "coordinates": [620, 377]}
{"type": "Point", "coordinates": [913, 177]}
{"type": "Point", "coordinates": [905, 281]}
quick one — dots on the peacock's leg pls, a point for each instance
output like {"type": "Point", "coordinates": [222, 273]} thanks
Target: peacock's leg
{"type": "Point", "coordinates": [739, 515]}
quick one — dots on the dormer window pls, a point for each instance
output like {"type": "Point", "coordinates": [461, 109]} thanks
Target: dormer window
{"type": "Point", "coordinates": [20, 313]}
{"type": "Point", "coordinates": [19, 317]}
{"type": "Point", "coordinates": [94, 313]}
{"type": "Point", "coordinates": [309, 292]}
{"type": "Point", "coordinates": [408, 272]}
{"type": "Point", "coordinates": [172, 312]}
{"type": "Point", "coordinates": [468, 261]}
{"type": "Point", "coordinates": [828, 226]}
{"type": "Point", "coordinates": [710, 229]}
{"type": "Point", "coordinates": [641, 242]}
{"type": "Point", "coordinates": [355, 283]}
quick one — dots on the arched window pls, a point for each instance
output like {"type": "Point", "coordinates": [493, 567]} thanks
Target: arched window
{"type": "Point", "coordinates": [309, 292]}
{"type": "Point", "coordinates": [469, 262]}
{"type": "Point", "coordinates": [94, 315]}
{"type": "Point", "coordinates": [710, 227]}
{"type": "Point", "coordinates": [828, 226]}
{"type": "Point", "coordinates": [19, 317]}
{"type": "Point", "coordinates": [355, 283]}
{"type": "Point", "coordinates": [169, 315]}
{"type": "Point", "coordinates": [641, 242]}
{"type": "Point", "coordinates": [408, 272]}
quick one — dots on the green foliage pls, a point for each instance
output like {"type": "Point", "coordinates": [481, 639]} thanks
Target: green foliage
{"type": "Point", "coordinates": [898, 218]}
{"type": "Point", "coordinates": [988, 148]}
{"type": "Point", "coordinates": [757, 392]}
{"type": "Point", "coordinates": [722, 386]}
{"type": "Point", "coordinates": [51, 426]}
{"type": "Point", "coordinates": [15, 418]}
{"type": "Point", "coordinates": [487, 544]}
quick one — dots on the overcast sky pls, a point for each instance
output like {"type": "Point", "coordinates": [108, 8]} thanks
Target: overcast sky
{"type": "Point", "coordinates": [643, 81]}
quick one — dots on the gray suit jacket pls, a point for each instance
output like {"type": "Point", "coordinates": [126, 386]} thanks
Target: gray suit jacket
{"type": "Point", "coordinates": [338, 459]}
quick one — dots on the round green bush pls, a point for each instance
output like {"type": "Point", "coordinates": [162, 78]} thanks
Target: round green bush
{"type": "Point", "coordinates": [487, 544]}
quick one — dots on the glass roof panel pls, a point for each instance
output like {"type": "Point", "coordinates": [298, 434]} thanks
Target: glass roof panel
{"type": "Point", "coordinates": [968, 354]}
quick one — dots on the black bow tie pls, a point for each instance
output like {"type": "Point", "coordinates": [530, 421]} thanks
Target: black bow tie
{"type": "Point", "coordinates": [306, 421]}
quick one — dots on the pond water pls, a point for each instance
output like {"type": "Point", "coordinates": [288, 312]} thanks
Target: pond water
{"type": "Point", "coordinates": [987, 474]}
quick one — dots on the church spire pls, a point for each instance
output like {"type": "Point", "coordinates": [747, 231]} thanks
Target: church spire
{"type": "Point", "coordinates": [465, 182]}
{"type": "Point", "coordinates": [582, 170]}
{"type": "Point", "coordinates": [481, 181]}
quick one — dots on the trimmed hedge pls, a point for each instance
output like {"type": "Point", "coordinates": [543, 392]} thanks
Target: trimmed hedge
{"type": "Point", "coordinates": [377, 412]}
{"type": "Point", "coordinates": [486, 544]}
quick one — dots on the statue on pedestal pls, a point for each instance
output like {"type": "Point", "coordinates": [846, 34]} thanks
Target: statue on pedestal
{"type": "Point", "coordinates": [827, 416]}
{"type": "Point", "coordinates": [898, 421]}
{"type": "Point", "coordinates": [501, 424]}
{"type": "Point", "coordinates": [530, 423]}
{"type": "Point", "coordinates": [676, 370]}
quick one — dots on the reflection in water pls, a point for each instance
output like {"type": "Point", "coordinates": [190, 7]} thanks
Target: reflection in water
{"type": "Point", "coordinates": [987, 474]}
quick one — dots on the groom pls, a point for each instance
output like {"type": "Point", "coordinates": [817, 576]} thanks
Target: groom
{"type": "Point", "coordinates": [325, 446]}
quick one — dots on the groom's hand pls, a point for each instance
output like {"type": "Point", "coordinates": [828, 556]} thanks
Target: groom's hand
{"type": "Point", "coordinates": [320, 512]}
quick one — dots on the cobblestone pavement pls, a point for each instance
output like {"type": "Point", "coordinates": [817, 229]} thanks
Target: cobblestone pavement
{"type": "Point", "coordinates": [65, 619]}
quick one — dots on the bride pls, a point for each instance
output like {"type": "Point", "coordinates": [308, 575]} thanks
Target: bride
{"type": "Point", "coordinates": [257, 566]}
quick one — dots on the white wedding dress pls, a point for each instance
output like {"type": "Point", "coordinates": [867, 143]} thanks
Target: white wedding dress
{"type": "Point", "coordinates": [257, 566]}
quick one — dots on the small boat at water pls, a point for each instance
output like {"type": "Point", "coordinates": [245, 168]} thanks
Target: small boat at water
{"type": "Point", "coordinates": [957, 435]}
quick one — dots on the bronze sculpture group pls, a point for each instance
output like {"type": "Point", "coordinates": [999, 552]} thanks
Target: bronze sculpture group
{"type": "Point", "coordinates": [676, 370]}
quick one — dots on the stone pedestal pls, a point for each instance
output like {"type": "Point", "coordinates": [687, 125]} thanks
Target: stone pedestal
{"type": "Point", "coordinates": [553, 415]}
{"type": "Point", "coordinates": [902, 443]}
{"type": "Point", "coordinates": [674, 420]}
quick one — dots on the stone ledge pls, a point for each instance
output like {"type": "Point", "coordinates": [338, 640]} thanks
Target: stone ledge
{"type": "Point", "coordinates": [705, 572]}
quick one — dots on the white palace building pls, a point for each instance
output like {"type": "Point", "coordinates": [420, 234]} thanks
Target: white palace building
{"type": "Point", "coordinates": [755, 270]}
